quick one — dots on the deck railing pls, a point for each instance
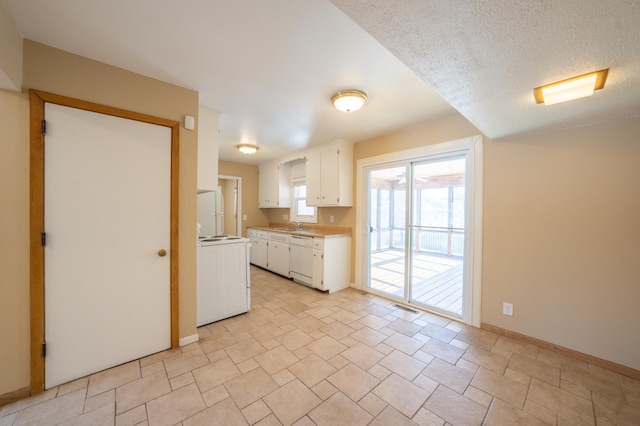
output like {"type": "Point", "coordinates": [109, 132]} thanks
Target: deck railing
{"type": "Point", "coordinates": [444, 242]}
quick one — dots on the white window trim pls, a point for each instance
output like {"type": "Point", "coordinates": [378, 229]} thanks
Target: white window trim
{"type": "Point", "coordinates": [293, 210]}
{"type": "Point", "coordinates": [472, 309]}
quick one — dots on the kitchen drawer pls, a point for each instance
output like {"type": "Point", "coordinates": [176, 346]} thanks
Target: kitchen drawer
{"type": "Point", "coordinates": [276, 236]}
{"type": "Point", "coordinates": [257, 233]}
{"type": "Point", "coordinates": [318, 243]}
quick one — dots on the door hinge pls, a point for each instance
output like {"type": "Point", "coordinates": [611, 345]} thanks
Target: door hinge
{"type": "Point", "coordinates": [44, 348]}
{"type": "Point", "coordinates": [43, 238]}
{"type": "Point", "coordinates": [44, 127]}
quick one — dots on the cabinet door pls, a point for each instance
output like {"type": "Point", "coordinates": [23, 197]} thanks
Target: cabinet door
{"type": "Point", "coordinates": [273, 186]}
{"type": "Point", "coordinates": [330, 176]}
{"type": "Point", "coordinates": [314, 179]}
{"type": "Point", "coordinates": [258, 252]}
{"type": "Point", "coordinates": [253, 250]}
{"type": "Point", "coordinates": [283, 192]}
{"type": "Point", "coordinates": [318, 270]}
{"type": "Point", "coordinates": [268, 186]}
{"type": "Point", "coordinates": [278, 257]}
{"type": "Point", "coordinates": [261, 253]}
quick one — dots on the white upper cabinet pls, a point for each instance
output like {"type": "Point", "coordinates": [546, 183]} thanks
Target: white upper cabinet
{"type": "Point", "coordinates": [273, 185]}
{"type": "Point", "coordinates": [330, 175]}
{"type": "Point", "coordinates": [207, 149]}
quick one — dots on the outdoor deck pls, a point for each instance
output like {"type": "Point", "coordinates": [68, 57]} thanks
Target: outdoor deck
{"type": "Point", "coordinates": [437, 280]}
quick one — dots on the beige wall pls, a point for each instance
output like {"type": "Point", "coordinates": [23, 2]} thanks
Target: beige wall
{"type": "Point", "coordinates": [10, 53]}
{"type": "Point", "coordinates": [561, 231]}
{"type": "Point", "coordinates": [14, 242]}
{"type": "Point", "coordinates": [62, 73]}
{"type": "Point", "coordinates": [249, 175]}
{"type": "Point", "coordinates": [562, 238]}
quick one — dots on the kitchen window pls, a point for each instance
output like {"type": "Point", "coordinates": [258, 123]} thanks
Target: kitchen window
{"type": "Point", "coordinates": [300, 211]}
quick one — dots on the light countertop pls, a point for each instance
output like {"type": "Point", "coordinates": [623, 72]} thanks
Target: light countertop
{"type": "Point", "coordinates": [308, 231]}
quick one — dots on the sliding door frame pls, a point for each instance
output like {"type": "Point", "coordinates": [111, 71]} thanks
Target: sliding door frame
{"type": "Point", "coordinates": [473, 250]}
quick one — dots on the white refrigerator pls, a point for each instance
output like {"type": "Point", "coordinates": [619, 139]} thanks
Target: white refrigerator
{"type": "Point", "coordinates": [210, 213]}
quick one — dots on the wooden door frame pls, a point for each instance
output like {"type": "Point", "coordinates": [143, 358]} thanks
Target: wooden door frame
{"type": "Point", "coordinates": [37, 100]}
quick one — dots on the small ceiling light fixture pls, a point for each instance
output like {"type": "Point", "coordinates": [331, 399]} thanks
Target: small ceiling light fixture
{"type": "Point", "coordinates": [349, 100]}
{"type": "Point", "coordinates": [247, 149]}
{"type": "Point", "coordinates": [571, 88]}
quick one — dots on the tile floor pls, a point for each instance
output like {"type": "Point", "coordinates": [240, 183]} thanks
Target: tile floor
{"type": "Point", "coordinates": [303, 357]}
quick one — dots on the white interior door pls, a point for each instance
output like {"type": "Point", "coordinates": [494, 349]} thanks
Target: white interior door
{"type": "Point", "coordinates": [107, 215]}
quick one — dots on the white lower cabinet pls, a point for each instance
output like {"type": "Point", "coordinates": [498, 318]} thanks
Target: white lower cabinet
{"type": "Point", "coordinates": [258, 251]}
{"type": "Point", "coordinates": [317, 278]}
{"type": "Point", "coordinates": [331, 258]}
{"type": "Point", "coordinates": [331, 263]}
{"type": "Point", "coordinates": [278, 254]}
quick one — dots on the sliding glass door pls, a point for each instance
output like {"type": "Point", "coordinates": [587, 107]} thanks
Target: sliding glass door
{"type": "Point", "coordinates": [417, 242]}
{"type": "Point", "coordinates": [438, 234]}
{"type": "Point", "coordinates": [387, 230]}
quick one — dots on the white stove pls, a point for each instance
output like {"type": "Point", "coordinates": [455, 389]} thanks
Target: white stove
{"type": "Point", "coordinates": [223, 280]}
{"type": "Point", "coordinates": [221, 239]}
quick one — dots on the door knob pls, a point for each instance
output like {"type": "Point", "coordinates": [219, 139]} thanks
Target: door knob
{"type": "Point", "coordinates": [162, 252]}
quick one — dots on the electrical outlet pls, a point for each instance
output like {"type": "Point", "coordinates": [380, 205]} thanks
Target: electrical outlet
{"type": "Point", "coordinates": [507, 309]}
{"type": "Point", "coordinates": [285, 217]}
{"type": "Point", "coordinates": [244, 217]}
{"type": "Point", "coordinates": [331, 219]}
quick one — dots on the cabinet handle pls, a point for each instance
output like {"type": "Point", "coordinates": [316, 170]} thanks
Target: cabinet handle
{"type": "Point", "coordinates": [162, 252]}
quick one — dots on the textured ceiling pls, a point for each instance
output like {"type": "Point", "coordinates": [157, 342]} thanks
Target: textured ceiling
{"type": "Point", "coordinates": [485, 56]}
{"type": "Point", "coordinates": [269, 67]}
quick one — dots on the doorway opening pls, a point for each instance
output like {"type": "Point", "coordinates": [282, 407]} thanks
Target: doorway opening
{"type": "Point", "coordinates": [231, 191]}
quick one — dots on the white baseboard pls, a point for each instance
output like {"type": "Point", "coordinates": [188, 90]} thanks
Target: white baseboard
{"type": "Point", "coordinates": [189, 339]}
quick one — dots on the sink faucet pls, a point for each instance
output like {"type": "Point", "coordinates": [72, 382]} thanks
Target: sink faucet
{"type": "Point", "coordinates": [297, 224]}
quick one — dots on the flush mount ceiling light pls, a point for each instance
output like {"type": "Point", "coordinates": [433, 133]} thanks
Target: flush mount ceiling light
{"type": "Point", "coordinates": [349, 100]}
{"type": "Point", "coordinates": [247, 148]}
{"type": "Point", "coordinates": [571, 88]}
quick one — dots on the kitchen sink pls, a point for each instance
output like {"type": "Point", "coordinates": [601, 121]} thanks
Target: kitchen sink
{"type": "Point", "coordinates": [287, 229]}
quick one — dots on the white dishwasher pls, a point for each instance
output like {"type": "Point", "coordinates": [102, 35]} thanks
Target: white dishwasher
{"type": "Point", "coordinates": [301, 259]}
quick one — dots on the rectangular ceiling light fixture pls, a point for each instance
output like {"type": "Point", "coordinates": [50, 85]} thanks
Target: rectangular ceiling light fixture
{"type": "Point", "coordinates": [571, 88]}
